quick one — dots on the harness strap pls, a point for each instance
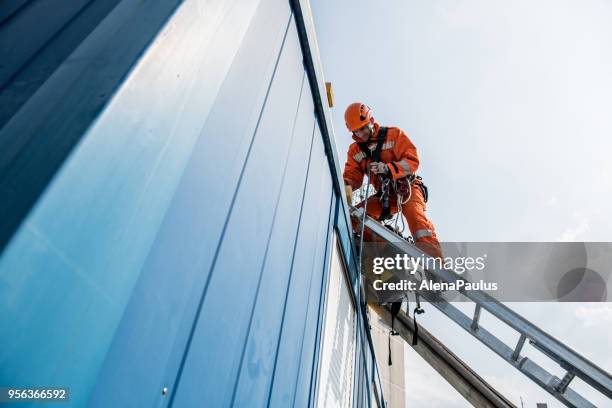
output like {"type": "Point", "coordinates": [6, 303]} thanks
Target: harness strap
{"type": "Point", "coordinates": [374, 156]}
{"type": "Point", "coordinates": [422, 187]}
{"type": "Point", "coordinates": [395, 309]}
{"type": "Point", "coordinates": [417, 310]}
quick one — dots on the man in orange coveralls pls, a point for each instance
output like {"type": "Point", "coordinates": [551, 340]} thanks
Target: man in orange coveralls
{"type": "Point", "coordinates": [392, 159]}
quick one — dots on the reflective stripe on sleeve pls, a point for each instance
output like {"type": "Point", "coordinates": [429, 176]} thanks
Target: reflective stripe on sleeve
{"type": "Point", "coordinates": [405, 166]}
{"type": "Point", "coordinates": [359, 157]}
{"type": "Point", "coordinates": [422, 233]}
{"type": "Point", "coordinates": [388, 145]}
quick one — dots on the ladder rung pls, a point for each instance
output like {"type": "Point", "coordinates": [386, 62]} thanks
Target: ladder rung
{"type": "Point", "coordinates": [519, 347]}
{"type": "Point", "coordinates": [567, 378]}
{"type": "Point", "coordinates": [476, 318]}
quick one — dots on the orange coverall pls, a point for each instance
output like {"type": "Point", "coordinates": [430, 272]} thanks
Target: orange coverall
{"type": "Point", "coordinates": [402, 159]}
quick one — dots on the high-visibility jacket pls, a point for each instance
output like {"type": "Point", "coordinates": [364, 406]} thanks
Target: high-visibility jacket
{"type": "Point", "coordinates": [398, 152]}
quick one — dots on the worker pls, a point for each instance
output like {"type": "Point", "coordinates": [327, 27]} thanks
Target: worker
{"type": "Point", "coordinates": [392, 162]}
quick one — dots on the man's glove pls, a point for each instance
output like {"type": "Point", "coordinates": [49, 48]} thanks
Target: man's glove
{"type": "Point", "coordinates": [379, 168]}
{"type": "Point", "coordinates": [348, 190]}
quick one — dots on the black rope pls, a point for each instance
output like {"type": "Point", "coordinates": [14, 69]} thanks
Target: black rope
{"type": "Point", "coordinates": [417, 310]}
{"type": "Point", "coordinates": [395, 309]}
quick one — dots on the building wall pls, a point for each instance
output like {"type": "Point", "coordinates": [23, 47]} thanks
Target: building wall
{"type": "Point", "coordinates": [170, 205]}
{"type": "Point", "coordinates": [392, 376]}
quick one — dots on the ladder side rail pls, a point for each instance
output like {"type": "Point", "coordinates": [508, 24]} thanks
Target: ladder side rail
{"type": "Point", "coordinates": [581, 367]}
{"type": "Point", "coordinates": [528, 367]}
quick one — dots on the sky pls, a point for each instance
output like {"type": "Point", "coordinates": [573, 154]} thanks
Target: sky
{"type": "Point", "coordinates": [509, 105]}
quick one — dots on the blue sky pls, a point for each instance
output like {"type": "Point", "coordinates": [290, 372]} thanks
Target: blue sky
{"type": "Point", "coordinates": [509, 105]}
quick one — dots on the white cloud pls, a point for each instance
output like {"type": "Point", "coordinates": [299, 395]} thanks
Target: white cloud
{"type": "Point", "coordinates": [594, 315]}
{"type": "Point", "coordinates": [577, 232]}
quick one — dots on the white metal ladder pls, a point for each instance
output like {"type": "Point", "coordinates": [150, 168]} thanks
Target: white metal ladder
{"type": "Point", "coordinates": [573, 363]}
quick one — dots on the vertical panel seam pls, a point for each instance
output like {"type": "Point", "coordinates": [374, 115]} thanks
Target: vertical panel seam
{"type": "Point", "coordinates": [280, 334]}
{"type": "Point", "coordinates": [309, 296]}
{"type": "Point", "coordinates": [263, 264]}
{"type": "Point", "coordinates": [225, 224]}
{"type": "Point", "coordinates": [323, 296]}
{"type": "Point", "coordinates": [44, 45]}
{"type": "Point", "coordinates": [15, 12]}
{"type": "Point", "coordinates": [179, 116]}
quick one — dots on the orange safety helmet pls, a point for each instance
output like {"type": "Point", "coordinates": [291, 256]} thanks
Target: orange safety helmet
{"type": "Point", "coordinates": [357, 115]}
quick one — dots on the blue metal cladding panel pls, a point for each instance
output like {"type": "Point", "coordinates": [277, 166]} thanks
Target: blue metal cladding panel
{"type": "Point", "coordinates": [345, 238]}
{"type": "Point", "coordinates": [184, 242]}
{"type": "Point", "coordinates": [69, 271]}
{"type": "Point", "coordinates": [33, 34]}
{"type": "Point", "coordinates": [28, 75]}
{"type": "Point", "coordinates": [10, 8]}
{"type": "Point", "coordinates": [250, 233]}
{"type": "Point", "coordinates": [299, 325]}
{"type": "Point", "coordinates": [307, 382]}
{"type": "Point", "coordinates": [259, 350]}
{"type": "Point", "coordinates": [38, 138]}
{"type": "Point", "coordinates": [313, 371]}
{"type": "Point", "coordinates": [164, 303]}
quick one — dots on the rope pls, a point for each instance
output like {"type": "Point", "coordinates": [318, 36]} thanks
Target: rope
{"type": "Point", "coordinates": [400, 205]}
{"type": "Point", "coordinates": [365, 209]}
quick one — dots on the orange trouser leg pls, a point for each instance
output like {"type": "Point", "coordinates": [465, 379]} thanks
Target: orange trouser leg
{"type": "Point", "coordinates": [421, 228]}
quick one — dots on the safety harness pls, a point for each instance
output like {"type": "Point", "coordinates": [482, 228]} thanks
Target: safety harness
{"type": "Point", "coordinates": [374, 155]}
{"type": "Point", "coordinates": [402, 186]}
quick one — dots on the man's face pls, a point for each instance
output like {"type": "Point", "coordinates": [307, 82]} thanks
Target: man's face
{"type": "Point", "coordinates": [364, 132]}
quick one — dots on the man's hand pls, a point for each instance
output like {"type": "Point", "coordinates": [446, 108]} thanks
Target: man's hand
{"type": "Point", "coordinates": [379, 168]}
